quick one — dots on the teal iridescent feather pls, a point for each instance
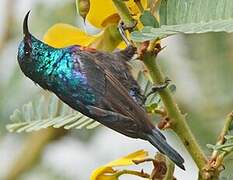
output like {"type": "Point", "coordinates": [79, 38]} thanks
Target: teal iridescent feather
{"type": "Point", "coordinates": [97, 84]}
{"type": "Point", "coordinates": [53, 69]}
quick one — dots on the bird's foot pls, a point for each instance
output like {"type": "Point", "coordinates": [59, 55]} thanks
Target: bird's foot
{"type": "Point", "coordinates": [157, 88]}
{"type": "Point", "coordinates": [161, 87]}
{"type": "Point", "coordinates": [128, 27]}
{"type": "Point", "coordinates": [122, 27]}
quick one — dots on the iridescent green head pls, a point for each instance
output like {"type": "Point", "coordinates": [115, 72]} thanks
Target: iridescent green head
{"type": "Point", "coordinates": [34, 55]}
{"type": "Point", "coordinates": [25, 54]}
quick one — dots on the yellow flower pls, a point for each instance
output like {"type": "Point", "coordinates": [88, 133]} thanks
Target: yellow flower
{"type": "Point", "coordinates": [102, 14]}
{"type": "Point", "coordinates": [107, 172]}
{"type": "Point", "coordinates": [62, 35]}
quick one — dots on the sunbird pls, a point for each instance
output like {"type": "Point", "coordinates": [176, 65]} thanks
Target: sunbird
{"type": "Point", "coordinates": [96, 83]}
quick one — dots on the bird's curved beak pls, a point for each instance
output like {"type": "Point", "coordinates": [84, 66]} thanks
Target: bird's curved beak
{"type": "Point", "coordinates": [27, 34]}
{"type": "Point", "coordinates": [25, 25]}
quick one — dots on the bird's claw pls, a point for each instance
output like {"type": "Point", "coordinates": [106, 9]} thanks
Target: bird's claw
{"type": "Point", "coordinates": [122, 27]}
{"type": "Point", "coordinates": [128, 27]}
{"type": "Point", "coordinates": [157, 88]}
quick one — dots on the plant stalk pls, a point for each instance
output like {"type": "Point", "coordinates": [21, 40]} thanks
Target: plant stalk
{"type": "Point", "coordinates": [217, 157]}
{"type": "Point", "coordinates": [178, 121]}
{"type": "Point", "coordinates": [170, 169]}
{"type": "Point", "coordinates": [32, 150]}
{"type": "Point", "coordinates": [124, 13]}
{"type": "Point", "coordinates": [132, 172]}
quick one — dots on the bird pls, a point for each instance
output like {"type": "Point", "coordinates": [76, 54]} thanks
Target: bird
{"type": "Point", "coordinates": [93, 83]}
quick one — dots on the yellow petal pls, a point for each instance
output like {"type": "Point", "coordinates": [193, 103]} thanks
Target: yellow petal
{"type": "Point", "coordinates": [128, 160]}
{"type": "Point", "coordinates": [63, 35]}
{"type": "Point", "coordinates": [103, 173]}
{"type": "Point", "coordinates": [103, 12]}
{"type": "Point", "coordinates": [122, 45]}
{"type": "Point", "coordinates": [100, 10]}
{"type": "Point", "coordinates": [109, 39]}
{"type": "Point", "coordinates": [106, 172]}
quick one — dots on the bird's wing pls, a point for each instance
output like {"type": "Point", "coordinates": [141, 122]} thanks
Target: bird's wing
{"type": "Point", "coordinates": [114, 100]}
{"type": "Point", "coordinates": [117, 64]}
{"type": "Point", "coordinates": [93, 73]}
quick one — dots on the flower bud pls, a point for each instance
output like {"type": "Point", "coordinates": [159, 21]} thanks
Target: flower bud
{"type": "Point", "coordinates": [83, 7]}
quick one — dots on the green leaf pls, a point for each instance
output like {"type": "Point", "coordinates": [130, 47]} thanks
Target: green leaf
{"type": "Point", "coordinates": [151, 107]}
{"type": "Point", "coordinates": [146, 86]}
{"type": "Point", "coordinates": [190, 17]}
{"type": "Point", "coordinates": [172, 88]}
{"type": "Point", "coordinates": [148, 19]}
{"type": "Point", "coordinates": [228, 137]}
{"type": "Point", "coordinates": [48, 112]}
{"type": "Point", "coordinates": [226, 147]}
{"type": "Point", "coordinates": [211, 146]}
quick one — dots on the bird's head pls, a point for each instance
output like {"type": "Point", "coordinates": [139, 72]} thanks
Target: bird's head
{"type": "Point", "coordinates": [25, 49]}
{"type": "Point", "coordinates": [31, 51]}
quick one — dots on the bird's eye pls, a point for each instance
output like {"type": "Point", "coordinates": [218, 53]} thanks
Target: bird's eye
{"type": "Point", "coordinates": [27, 53]}
{"type": "Point", "coordinates": [27, 48]}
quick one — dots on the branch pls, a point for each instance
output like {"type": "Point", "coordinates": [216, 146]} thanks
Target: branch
{"type": "Point", "coordinates": [178, 121]}
{"type": "Point", "coordinates": [132, 172]}
{"type": "Point", "coordinates": [160, 169]}
{"type": "Point", "coordinates": [216, 160]}
{"type": "Point", "coordinates": [170, 169]}
{"type": "Point", "coordinates": [163, 167]}
{"type": "Point", "coordinates": [221, 138]}
{"type": "Point", "coordinates": [32, 150]}
{"type": "Point", "coordinates": [124, 13]}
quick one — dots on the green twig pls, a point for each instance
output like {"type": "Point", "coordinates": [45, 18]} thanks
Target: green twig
{"type": "Point", "coordinates": [216, 161]}
{"type": "Point", "coordinates": [132, 172]}
{"type": "Point", "coordinates": [32, 151]}
{"type": "Point", "coordinates": [124, 13]}
{"type": "Point", "coordinates": [170, 169]}
{"type": "Point", "coordinates": [225, 130]}
{"type": "Point", "coordinates": [178, 121]}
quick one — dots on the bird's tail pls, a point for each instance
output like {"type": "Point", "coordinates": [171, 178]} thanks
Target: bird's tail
{"type": "Point", "coordinates": [159, 141]}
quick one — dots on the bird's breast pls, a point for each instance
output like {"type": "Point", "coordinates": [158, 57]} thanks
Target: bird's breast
{"type": "Point", "coordinates": [69, 82]}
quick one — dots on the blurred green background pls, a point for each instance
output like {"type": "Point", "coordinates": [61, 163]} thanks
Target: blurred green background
{"type": "Point", "coordinates": [201, 66]}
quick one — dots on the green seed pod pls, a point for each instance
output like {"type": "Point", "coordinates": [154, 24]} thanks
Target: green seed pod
{"type": "Point", "coordinates": [83, 7]}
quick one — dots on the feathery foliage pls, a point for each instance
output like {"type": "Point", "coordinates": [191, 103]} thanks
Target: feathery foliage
{"type": "Point", "coordinates": [189, 17]}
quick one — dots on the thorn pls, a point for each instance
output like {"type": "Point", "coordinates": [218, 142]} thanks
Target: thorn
{"type": "Point", "coordinates": [164, 123]}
